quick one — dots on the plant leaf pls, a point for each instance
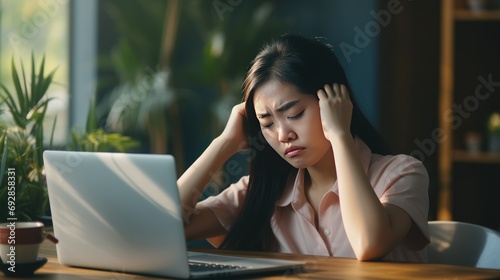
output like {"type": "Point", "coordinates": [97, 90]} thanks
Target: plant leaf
{"type": "Point", "coordinates": [25, 84]}
{"type": "Point", "coordinates": [52, 132]}
{"type": "Point", "coordinates": [20, 94]}
{"type": "Point", "coordinates": [45, 83]}
{"type": "Point", "coordinates": [40, 84]}
{"type": "Point", "coordinates": [19, 119]}
{"type": "Point", "coordinates": [4, 155]}
{"type": "Point", "coordinates": [33, 74]}
{"type": "Point", "coordinates": [38, 152]}
{"type": "Point", "coordinates": [9, 99]}
{"type": "Point", "coordinates": [37, 113]}
{"type": "Point", "coordinates": [91, 125]}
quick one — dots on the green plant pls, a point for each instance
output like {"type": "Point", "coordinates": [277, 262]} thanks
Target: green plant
{"type": "Point", "coordinates": [144, 101]}
{"type": "Point", "coordinates": [95, 139]}
{"type": "Point", "coordinates": [22, 140]}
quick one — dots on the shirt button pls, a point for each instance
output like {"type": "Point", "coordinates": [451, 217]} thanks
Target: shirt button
{"type": "Point", "coordinates": [327, 232]}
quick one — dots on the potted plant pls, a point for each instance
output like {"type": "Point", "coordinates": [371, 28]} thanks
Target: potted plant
{"type": "Point", "coordinates": [22, 142]}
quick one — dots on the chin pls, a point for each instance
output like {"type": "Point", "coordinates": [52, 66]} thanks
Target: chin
{"type": "Point", "coordinates": [299, 164]}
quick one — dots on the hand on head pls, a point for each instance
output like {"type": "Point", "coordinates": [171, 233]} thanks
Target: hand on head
{"type": "Point", "coordinates": [234, 132]}
{"type": "Point", "coordinates": [336, 110]}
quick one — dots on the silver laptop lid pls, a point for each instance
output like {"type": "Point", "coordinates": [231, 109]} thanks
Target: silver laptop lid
{"type": "Point", "coordinates": [117, 211]}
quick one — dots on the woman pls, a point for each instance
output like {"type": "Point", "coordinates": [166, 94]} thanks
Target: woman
{"type": "Point", "coordinates": [314, 187]}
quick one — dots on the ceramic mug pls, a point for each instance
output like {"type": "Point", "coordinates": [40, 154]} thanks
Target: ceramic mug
{"type": "Point", "coordinates": [20, 241]}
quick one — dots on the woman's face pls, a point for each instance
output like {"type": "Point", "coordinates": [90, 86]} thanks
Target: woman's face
{"type": "Point", "coordinates": [291, 123]}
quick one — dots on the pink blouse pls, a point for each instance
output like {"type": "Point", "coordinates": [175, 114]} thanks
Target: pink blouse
{"type": "Point", "coordinates": [398, 180]}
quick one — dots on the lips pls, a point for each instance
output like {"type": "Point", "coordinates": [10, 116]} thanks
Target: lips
{"type": "Point", "coordinates": [293, 151]}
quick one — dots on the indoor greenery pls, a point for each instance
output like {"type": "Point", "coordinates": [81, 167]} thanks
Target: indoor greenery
{"type": "Point", "coordinates": [143, 100]}
{"type": "Point", "coordinates": [22, 140]}
{"type": "Point", "coordinates": [176, 45]}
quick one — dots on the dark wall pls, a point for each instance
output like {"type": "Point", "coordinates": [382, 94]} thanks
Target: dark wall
{"type": "Point", "coordinates": [343, 24]}
{"type": "Point", "coordinates": [409, 77]}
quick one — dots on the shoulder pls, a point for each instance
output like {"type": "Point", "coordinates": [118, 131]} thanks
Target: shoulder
{"type": "Point", "coordinates": [396, 164]}
{"type": "Point", "coordinates": [388, 169]}
{"type": "Point", "coordinates": [403, 181]}
{"type": "Point", "coordinates": [401, 172]}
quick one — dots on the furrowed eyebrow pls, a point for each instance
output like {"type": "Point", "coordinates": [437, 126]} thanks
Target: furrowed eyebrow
{"type": "Point", "coordinates": [283, 107]}
{"type": "Point", "coordinates": [287, 105]}
{"type": "Point", "coordinates": [263, 116]}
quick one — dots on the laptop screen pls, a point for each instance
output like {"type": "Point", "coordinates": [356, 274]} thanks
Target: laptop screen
{"type": "Point", "coordinates": [117, 211]}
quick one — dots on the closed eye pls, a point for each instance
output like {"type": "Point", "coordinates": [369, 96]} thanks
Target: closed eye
{"type": "Point", "coordinates": [297, 116]}
{"type": "Point", "coordinates": [267, 125]}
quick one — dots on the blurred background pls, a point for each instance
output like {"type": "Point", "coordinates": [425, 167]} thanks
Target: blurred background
{"type": "Point", "coordinates": [167, 72]}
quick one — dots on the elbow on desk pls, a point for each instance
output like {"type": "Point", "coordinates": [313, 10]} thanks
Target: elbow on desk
{"type": "Point", "coordinates": [366, 251]}
{"type": "Point", "coordinates": [369, 256]}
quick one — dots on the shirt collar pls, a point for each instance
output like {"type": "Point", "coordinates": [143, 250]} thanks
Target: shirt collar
{"type": "Point", "coordinates": [292, 189]}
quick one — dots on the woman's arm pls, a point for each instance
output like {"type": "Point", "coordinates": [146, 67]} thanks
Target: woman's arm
{"type": "Point", "coordinates": [200, 222]}
{"type": "Point", "coordinates": [373, 229]}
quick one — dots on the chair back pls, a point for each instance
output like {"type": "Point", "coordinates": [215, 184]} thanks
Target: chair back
{"type": "Point", "coordinates": [460, 243]}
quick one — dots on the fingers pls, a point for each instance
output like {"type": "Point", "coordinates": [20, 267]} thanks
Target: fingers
{"type": "Point", "coordinates": [322, 94]}
{"type": "Point", "coordinates": [344, 93]}
{"type": "Point", "coordinates": [335, 90]}
{"type": "Point", "coordinates": [326, 92]}
{"type": "Point", "coordinates": [240, 109]}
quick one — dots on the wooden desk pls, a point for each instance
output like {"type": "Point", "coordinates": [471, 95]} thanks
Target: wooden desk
{"type": "Point", "coordinates": [317, 268]}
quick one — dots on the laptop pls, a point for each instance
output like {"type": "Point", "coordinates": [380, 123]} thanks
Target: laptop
{"type": "Point", "coordinates": [122, 212]}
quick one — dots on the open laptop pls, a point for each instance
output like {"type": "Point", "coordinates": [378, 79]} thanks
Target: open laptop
{"type": "Point", "coordinates": [122, 212]}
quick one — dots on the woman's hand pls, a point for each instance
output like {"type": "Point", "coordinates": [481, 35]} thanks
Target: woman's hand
{"type": "Point", "coordinates": [234, 132]}
{"type": "Point", "coordinates": [335, 109]}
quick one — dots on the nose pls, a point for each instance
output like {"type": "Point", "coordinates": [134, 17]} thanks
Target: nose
{"type": "Point", "coordinates": [286, 134]}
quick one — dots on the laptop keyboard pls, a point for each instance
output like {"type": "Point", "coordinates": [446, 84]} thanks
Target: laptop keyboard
{"type": "Point", "coordinates": [201, 266]}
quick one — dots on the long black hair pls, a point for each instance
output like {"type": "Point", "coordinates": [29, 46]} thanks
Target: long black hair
{"type": "Point", "coordinates": [308, 64]}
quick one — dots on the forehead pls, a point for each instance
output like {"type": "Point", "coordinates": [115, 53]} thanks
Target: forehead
{"type": "Point", "coordinates": [274, 93]}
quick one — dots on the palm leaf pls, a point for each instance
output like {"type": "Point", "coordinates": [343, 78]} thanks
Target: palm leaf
{"type": "Point", "coordinates": [33, 73]}
{"type": "Point", "coordinates": [8, 99]}
{"type": "Point", "coordinates": [38, 151]}
{"type": "Point", "coordinates": [52, 132]}
{"type": "Point", "coordinates": [45, 83]}
{"type": "Point", "coordinates": [40, 91]}
{"type": "Point", "coordinates": [3, 140]}
{"type": "Point", "coordinates": [20, 94]}
{"type": "Point", "coordinates": [35, 114]}
{"type": "Point", "coordinates": [19, 119]}
{"type": "Point", "coordinates": [24, 83]}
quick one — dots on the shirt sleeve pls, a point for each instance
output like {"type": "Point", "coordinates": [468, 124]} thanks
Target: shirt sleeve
{"type": "Point", "coordinates": [227, 205]}
{"type": "Point", "coordinates": [405, 183]}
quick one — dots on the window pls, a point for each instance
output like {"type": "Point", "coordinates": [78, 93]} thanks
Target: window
{"type": "Point", "coordinates": [39, 27]}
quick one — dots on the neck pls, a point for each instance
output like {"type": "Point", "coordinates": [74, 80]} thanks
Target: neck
{"type": "Point", "coordinates": [323, 174]}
